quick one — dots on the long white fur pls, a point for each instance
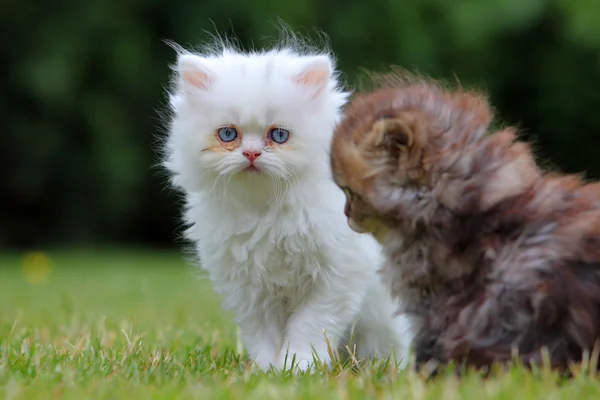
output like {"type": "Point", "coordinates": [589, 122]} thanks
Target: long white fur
{"type": "Point", "coordinates": [276, 245]}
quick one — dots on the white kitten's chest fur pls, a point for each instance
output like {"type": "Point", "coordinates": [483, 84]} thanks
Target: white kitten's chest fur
{"type": "Point", "coordinates": [282, 251]}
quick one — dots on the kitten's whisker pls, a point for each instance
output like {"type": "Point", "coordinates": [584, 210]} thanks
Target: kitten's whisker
{"type": "Point", "coordinates": [278, 191]}
{"type": "Point", "coordinates": [211, 169]}
{"type": "Point", "coordinates": [216, 183]}
{"type": "Point", "coordinates": [283, 185]}
{"type": "Point", "coordinates": [227, 180]}
{"type": "Point", "coordinates": [275, 190]}
{"type": "Point", "coordinates": [291, 178]}
{"type": "Point", "coordinates": [295, 176]}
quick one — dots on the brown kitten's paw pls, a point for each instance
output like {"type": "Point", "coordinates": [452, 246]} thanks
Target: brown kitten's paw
{"type": "Point", "coordinates": [429, 354]}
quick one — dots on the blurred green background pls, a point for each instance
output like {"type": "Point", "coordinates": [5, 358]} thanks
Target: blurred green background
{"type": "Point", "coordinates": [81, 84]}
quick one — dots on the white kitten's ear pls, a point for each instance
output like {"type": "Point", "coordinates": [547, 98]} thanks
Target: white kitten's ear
{"type": "Point", "coordinates": [315, 76]}
{"type": "Point", "coordinates": [194, 73]}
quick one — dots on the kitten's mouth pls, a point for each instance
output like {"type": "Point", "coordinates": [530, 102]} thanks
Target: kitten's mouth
{"type": "Point", "coordinates": [251, 168]}
{"type": "Point", "coordinates": [355, 227]}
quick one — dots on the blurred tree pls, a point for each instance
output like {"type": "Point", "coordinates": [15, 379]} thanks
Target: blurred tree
{"type": "Point", "coordinates": [82, 84]}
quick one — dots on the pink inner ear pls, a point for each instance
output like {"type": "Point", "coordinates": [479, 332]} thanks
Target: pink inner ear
{"type": "Point", "coordinates": [197, 78]}
{"type": "Point", "coordinates": [315, 79]}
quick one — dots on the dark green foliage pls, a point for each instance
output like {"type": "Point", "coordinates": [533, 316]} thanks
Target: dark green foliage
{"type": "Point", "coordinates": [82, 83]}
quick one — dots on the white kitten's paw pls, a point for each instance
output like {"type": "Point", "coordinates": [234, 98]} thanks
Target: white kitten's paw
{"type": "Point", "coordinates": [264, 361]}
{"type": "Point", "coordinates": [263, 366]}
{"type": "Point", "coordinates": [303, 365]}
{"type": "Point", "coordinates": [300, 363]}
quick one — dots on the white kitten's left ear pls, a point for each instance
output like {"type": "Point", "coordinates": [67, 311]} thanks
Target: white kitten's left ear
{"type": "Point", "coordinates": [315, 76]}
{"type": "Point", "coordinates": [194, 73]}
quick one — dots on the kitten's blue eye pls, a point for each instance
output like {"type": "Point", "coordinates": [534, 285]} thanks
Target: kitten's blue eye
{"type": "Point", "coordinates": [227, 134]}
{"type": "Point", "coordinates": [280, 135]}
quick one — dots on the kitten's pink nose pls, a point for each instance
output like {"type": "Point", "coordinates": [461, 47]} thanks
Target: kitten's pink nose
{"type": "Point", "coordinates": [251, 155]}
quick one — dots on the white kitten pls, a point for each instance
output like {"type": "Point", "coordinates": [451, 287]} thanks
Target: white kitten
{"type": "Point", "coordinates": [248, 145]}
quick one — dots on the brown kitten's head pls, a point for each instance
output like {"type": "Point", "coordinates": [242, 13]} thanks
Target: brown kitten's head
{"type": "Point", "coordinates": [404, 149]}
{"type": "Point", "coordinates": [368, 146]}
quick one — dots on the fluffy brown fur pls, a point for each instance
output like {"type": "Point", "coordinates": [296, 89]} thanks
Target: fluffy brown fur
{"type": "Point", "coordinates": [488, 253]}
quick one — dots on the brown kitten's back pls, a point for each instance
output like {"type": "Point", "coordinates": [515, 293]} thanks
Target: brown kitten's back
{"type": "Point", "coordinates": [487, 251]}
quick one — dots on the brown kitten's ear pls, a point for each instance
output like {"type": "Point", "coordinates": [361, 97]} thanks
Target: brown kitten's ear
{"type": "Point", "coordinates": [194, 73]}
{"type": "Point", "coordinates": [393, 132]}
{"type": "Point", "coordinates": [315, 75]}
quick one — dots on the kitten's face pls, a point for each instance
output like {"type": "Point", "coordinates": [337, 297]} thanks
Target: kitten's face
{"type": "Point", "coordinates": [378, 158]}
{"type": "Point", "coordinates": [251, 117]}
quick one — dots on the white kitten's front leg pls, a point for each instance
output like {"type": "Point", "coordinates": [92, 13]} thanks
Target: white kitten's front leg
{"type": "Point", "coordinates": [263, 340]}
{"type": "Point", "coordinates": [327, 312]}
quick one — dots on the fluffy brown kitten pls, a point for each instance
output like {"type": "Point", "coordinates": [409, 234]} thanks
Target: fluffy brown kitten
{"type": "Point", "coordinates": [486, 252]}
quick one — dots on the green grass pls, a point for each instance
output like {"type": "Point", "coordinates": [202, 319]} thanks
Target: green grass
{"type": "Point", "coordinates": [142, 325]}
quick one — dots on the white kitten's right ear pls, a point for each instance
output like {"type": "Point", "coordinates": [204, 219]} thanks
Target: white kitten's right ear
{"type": "Point", "coordinates": [194, 74]}
{"type": "Point", "coordinates": [315, 76]}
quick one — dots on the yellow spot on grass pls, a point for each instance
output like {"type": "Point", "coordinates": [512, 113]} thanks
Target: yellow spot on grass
{"type": "Point", "coordinates": [36, 267]}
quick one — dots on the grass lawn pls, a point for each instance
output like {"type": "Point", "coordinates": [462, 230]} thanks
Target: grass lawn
{"type": "Point", "coordinates": [144, 325]}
